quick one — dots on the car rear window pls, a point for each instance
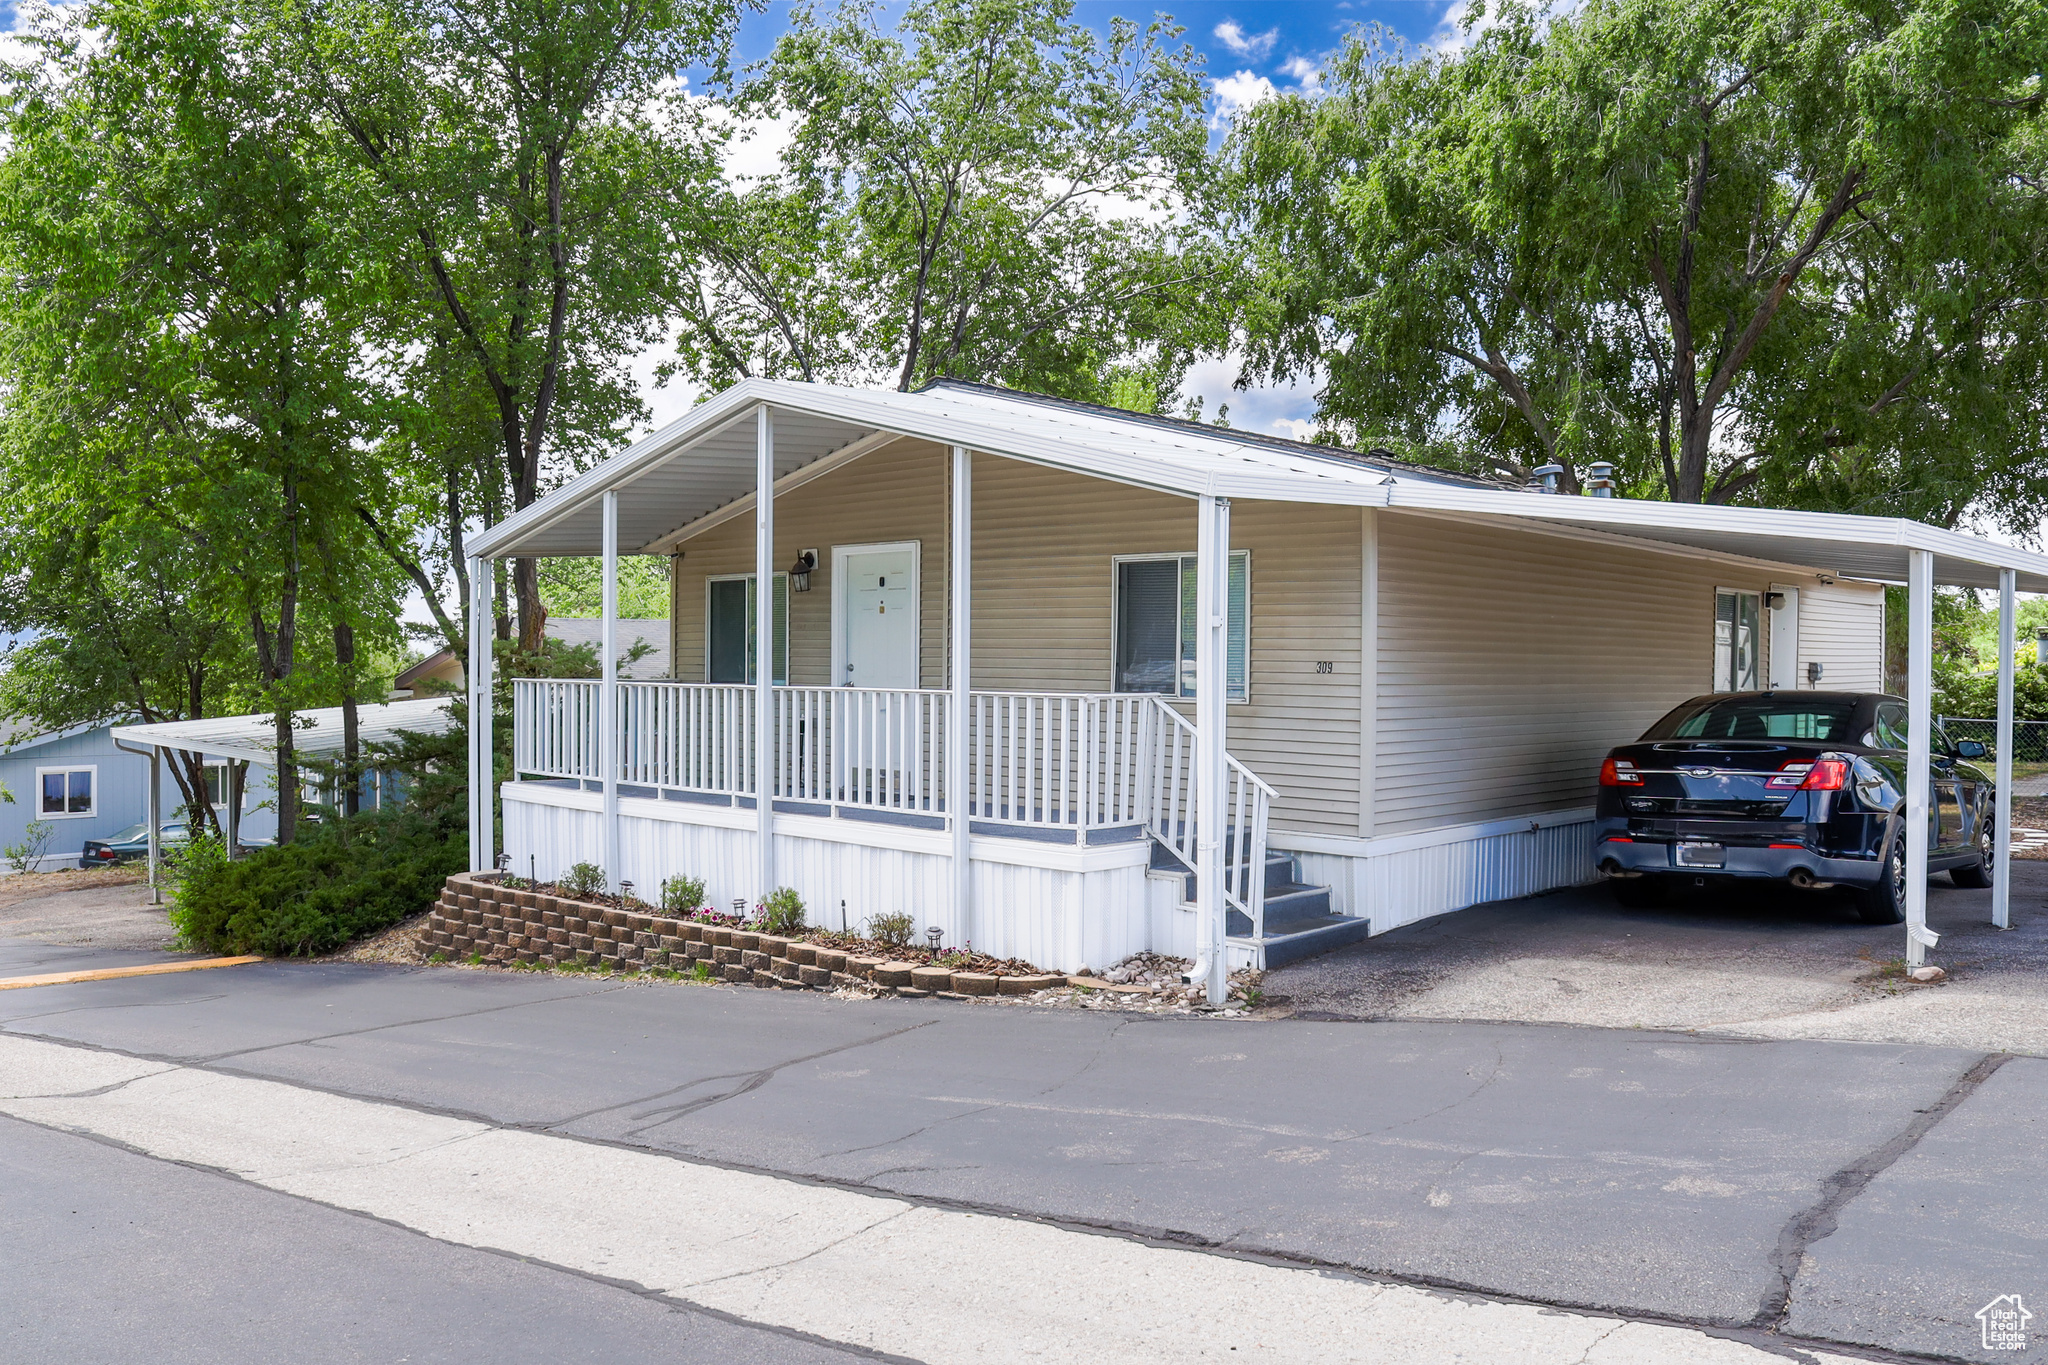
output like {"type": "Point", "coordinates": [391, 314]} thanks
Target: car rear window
{"type": "Point", "coordinates": [1758, 718]}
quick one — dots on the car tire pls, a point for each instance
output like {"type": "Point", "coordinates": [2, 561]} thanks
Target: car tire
{"type": "Point", "coordinates": [1885, 903]}
{"type": "Point", "coordinates": [1975, 876]}
{"type": "Point", "coordinates": [1638, 893]}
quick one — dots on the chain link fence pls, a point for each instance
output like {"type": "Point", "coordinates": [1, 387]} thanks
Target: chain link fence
{"type": "Point", "coordinates": [2029, 748]}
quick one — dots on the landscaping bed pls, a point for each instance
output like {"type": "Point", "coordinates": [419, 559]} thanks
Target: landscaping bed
{"type": "Point", "coordinates": [480, 919]}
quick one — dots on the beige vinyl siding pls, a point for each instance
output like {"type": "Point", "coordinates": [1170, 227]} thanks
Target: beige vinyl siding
{"type": "Point", "coordinates": [1511, 661]}
{"type": "Point", "coordinates": [1841, 627]}
{"type": "Point", "coordinates": [1044, 542]}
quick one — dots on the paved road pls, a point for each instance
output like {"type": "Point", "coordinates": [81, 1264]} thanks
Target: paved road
{"type": "Point", "coordinates": [1783, 1190]}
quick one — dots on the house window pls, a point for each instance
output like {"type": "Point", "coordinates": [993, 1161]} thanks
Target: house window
{"type": "Point", "coordinates": [729, 629]}
{"type": "Point", "coordinates": [1736, 616]}
{"type": "Point", "coordinates": [63, 792]}
{"type": "Point", "coordinates": [1155, 625]}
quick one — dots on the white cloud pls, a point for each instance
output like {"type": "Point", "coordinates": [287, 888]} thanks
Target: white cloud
{"type": "Point", "coordinates": [1232, 35]}
{"type": "Point", "coordinates": [1239, 91]}
{"type": "Point", "coordinates": [1308, 76]}
{"type": "Point", "coordinates": [1282, 409]}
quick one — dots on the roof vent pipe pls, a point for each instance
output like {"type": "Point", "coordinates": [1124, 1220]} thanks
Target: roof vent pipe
{"type": "Point", "coordinates": [1600, 479]}
{"type": "Point", "coordinates": [1545, 476]}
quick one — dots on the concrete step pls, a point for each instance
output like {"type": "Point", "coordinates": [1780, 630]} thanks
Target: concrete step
{"type": "Point", "coordinates": [1309, 940]}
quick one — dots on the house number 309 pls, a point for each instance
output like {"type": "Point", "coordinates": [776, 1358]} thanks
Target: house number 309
{"type": "Point", "coordinates": [1326, 666]}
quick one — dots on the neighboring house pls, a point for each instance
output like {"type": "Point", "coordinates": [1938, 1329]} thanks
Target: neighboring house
{"type": "Point", "coordinates": [85, 787]}
{"type": "Point", "coordinates": [441, 672]}
{"type": "Point", "coordinates": [1415, 673]}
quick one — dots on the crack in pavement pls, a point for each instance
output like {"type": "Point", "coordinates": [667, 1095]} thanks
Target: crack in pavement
{"type": "Point", "coordinates": [1820, 1219]}
{"type": "Point", "coordinates": [751, 1081]}
{"type": "Point", "coordinates": [400, 1023]}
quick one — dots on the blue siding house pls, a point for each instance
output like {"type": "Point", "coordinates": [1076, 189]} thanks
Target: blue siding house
{"type": "Point", "coordinates": [86, 788]}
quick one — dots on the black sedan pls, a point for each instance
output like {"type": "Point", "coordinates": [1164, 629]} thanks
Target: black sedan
{"type": "Point", "coordinates": [130, 844]}
{"type": "Point", "coordinates": [1806, 788]}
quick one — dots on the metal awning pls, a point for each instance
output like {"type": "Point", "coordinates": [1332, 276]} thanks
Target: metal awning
{"type": "Point", "coordinates": [254, 738]}
{"type": "Point", "coordinates": [706, 463]}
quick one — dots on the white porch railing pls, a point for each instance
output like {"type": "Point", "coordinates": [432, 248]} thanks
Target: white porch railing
{"type": "Point", "coordinates": [1078, 761]}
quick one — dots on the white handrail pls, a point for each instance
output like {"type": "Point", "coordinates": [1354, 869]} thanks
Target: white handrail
{"type": "Point", "coordinates": [1247, 799]}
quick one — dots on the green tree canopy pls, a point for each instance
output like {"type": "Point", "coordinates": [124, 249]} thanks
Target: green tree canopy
{"type": "Point", "coordinates": [1780, 249]}
{"type": "Point", "coordinates": [988, 191]}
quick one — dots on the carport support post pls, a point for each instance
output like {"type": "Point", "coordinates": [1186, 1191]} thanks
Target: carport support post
{"type": "Point", "coordinates": [962, 598]}
{"type": "Point", "coordinates": [1212, 578]}
{"type": "Point", "coordinates": [764, 650]}
{"type": "Point", "coordinates": [608, 694]}
{"type": "Point", "coordinates": [2001, 823]}
{"type": "Point", "coordinates": [1919, 727]}
{"type": "Point", "coordinates": [156, 820]}
{"type": "Point", "coordinates": [483, 853]}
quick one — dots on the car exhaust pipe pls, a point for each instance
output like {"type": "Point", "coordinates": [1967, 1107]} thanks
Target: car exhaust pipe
{"type": "Point", "coordinates": [1611, 868]}
{"type": "Point", "coordinates": [1804, 879]}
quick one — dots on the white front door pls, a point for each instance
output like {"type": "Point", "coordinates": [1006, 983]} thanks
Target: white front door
{"type": "Point", "coordinates": [875, 606]}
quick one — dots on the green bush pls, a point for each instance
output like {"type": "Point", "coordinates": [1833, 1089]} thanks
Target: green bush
{"type": "Point", "coordinates": [585, 881]}
{"type": "Point", "coordinates": [782, 912]}
{"type": "Point", "coordinates": [894, 930]}
{"type": "Point", "coordinates": [679, 894]}
{"type": "Point", "coordinates": [313, 895]}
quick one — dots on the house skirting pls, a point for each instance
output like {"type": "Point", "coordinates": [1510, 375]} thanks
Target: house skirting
{"type": "Point", "coordinates": [1060, 906]}
{"type": "Point", "coordinates": [1399, 879]}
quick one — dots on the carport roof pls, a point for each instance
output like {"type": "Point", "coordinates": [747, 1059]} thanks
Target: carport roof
{"type": "Point", "coordinates": [705, 464]}
{"type": "Point", "coordinates": [254, 738]}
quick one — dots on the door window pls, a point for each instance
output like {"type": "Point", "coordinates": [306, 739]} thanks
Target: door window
{"type": "Point", "coordinates": [1735, 640]}
{"type": "Point", "coordinates": [729, 629]}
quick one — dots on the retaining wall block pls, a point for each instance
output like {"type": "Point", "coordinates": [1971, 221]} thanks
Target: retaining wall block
{"type": "Point", "coordinates": [813, 976]}
{"type": "Point", "coordinates": [717, 936]}
{"type": "Point", "coordinates": [831, 959]}
{"type": "Point", "coordinates": [753, 959]}
{"type": "Point", "coordinates": [803, 954]}
{"type": "Point", "coordinates": [890, 973]}
{"type": "Point", "coordinates": [733, 971]}
{"type": "Point", "coordinates": [1024, 985]}
{"type": "Point", "coordinates": [551, 918]}
{"type": "Point", "coordinates": [864, 967]}
{"type": "Point", "coordinates": [975, 983]}
{"type": "Point", "coordinates": [772, 945]}
{"type": "Point", "coordinates": [743, 940]}
{"type": "Point", "coordinates": [931, 978]}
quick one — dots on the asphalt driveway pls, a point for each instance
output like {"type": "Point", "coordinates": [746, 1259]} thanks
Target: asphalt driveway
{"type": "Point", "coordinates": [1769, 963]}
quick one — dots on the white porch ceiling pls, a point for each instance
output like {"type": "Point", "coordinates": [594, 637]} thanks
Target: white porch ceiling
{"type": "Point", "coordinates": [705, 462]}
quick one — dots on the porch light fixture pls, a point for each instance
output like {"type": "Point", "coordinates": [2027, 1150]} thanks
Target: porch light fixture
{"type": "Point", "coordinates": [800, 572]}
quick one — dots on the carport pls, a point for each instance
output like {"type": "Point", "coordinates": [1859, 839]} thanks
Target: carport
{"type": "Point", "coordinates": [1877, 549]}
{"type": "Point", "coordinates": [242, 740]}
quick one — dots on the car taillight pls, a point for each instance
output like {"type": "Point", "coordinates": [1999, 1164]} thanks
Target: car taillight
{"type": "Point", "coordinates": [1827, 775]}
{"type": "Point", "coordinates": [1790, 776]}
{"type": "Point", "coordinates": [1619, 772]}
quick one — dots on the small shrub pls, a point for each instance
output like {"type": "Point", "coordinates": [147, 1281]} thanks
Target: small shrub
{"type": "Point", "coordinates": [701, 972]}
{"type": "Point", "coordinates": [24, 856]}
{"type": "Point", "coordinates": [782, 912]}
{"type": "Point", "coordinates": [585, 881]}
{"type": "Point", "coordinates": [893, 930]}
{"type": "Point", "coordinates": [679, 894]}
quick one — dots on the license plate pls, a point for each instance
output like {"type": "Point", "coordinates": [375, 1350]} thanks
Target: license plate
{"type": "Point", "coordinates": [1701, 855]}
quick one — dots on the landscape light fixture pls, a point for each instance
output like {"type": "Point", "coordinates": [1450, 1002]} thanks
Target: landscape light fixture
{"type": "Point", "coordinates": [934, 934]}
{"type": "Point", "coordinates": [625, 890]}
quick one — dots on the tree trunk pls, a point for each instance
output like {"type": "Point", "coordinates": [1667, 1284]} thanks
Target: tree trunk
{"type": "Point", "coordinates": [351, 769]}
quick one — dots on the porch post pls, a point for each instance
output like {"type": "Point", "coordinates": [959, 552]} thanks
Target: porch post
{"type": "Point", "coordinates": [1212, 577]}
{"type": "Point", "coordinates": [482, 830]}
{"type": "Point", "coordinates": [764, 649]}
{"type": "Point", "coordinates": [608, 693]}
{"type": "Point", "coordinates": [156, 824]}
{"type": "Point", "coordinates": [961, 597]}
{"type": "Point", "coordinates": [2001, 822]}
{"type": "Point", "coordinates": [1919, 725]}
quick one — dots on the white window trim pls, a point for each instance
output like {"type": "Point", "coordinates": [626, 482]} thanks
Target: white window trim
{"type": "Point", "coordinates": [840, 553]}
{"type": "Point", "coordinates": [92, 768]}
{"type": "Point", "coordinates": [1179, 626]}
{"type": "Point", "coordinates": [1756, 645]}
{"type": "Point", "coordinates": [788, 651]}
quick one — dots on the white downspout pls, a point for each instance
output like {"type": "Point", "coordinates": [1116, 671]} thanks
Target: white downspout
{"type": "Point", "coordinates": [608, 692]}
{"type": "Point", "coordinates": [962, 598]}
{"type": "Point", "coordinates": [764, 650]}
{"type": "Point", "coordinates": [2001, 823]}
{"type": "Point", "coordinates": [1919, 770]}
{"type": "Point", "coordinates": [156, 823]}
